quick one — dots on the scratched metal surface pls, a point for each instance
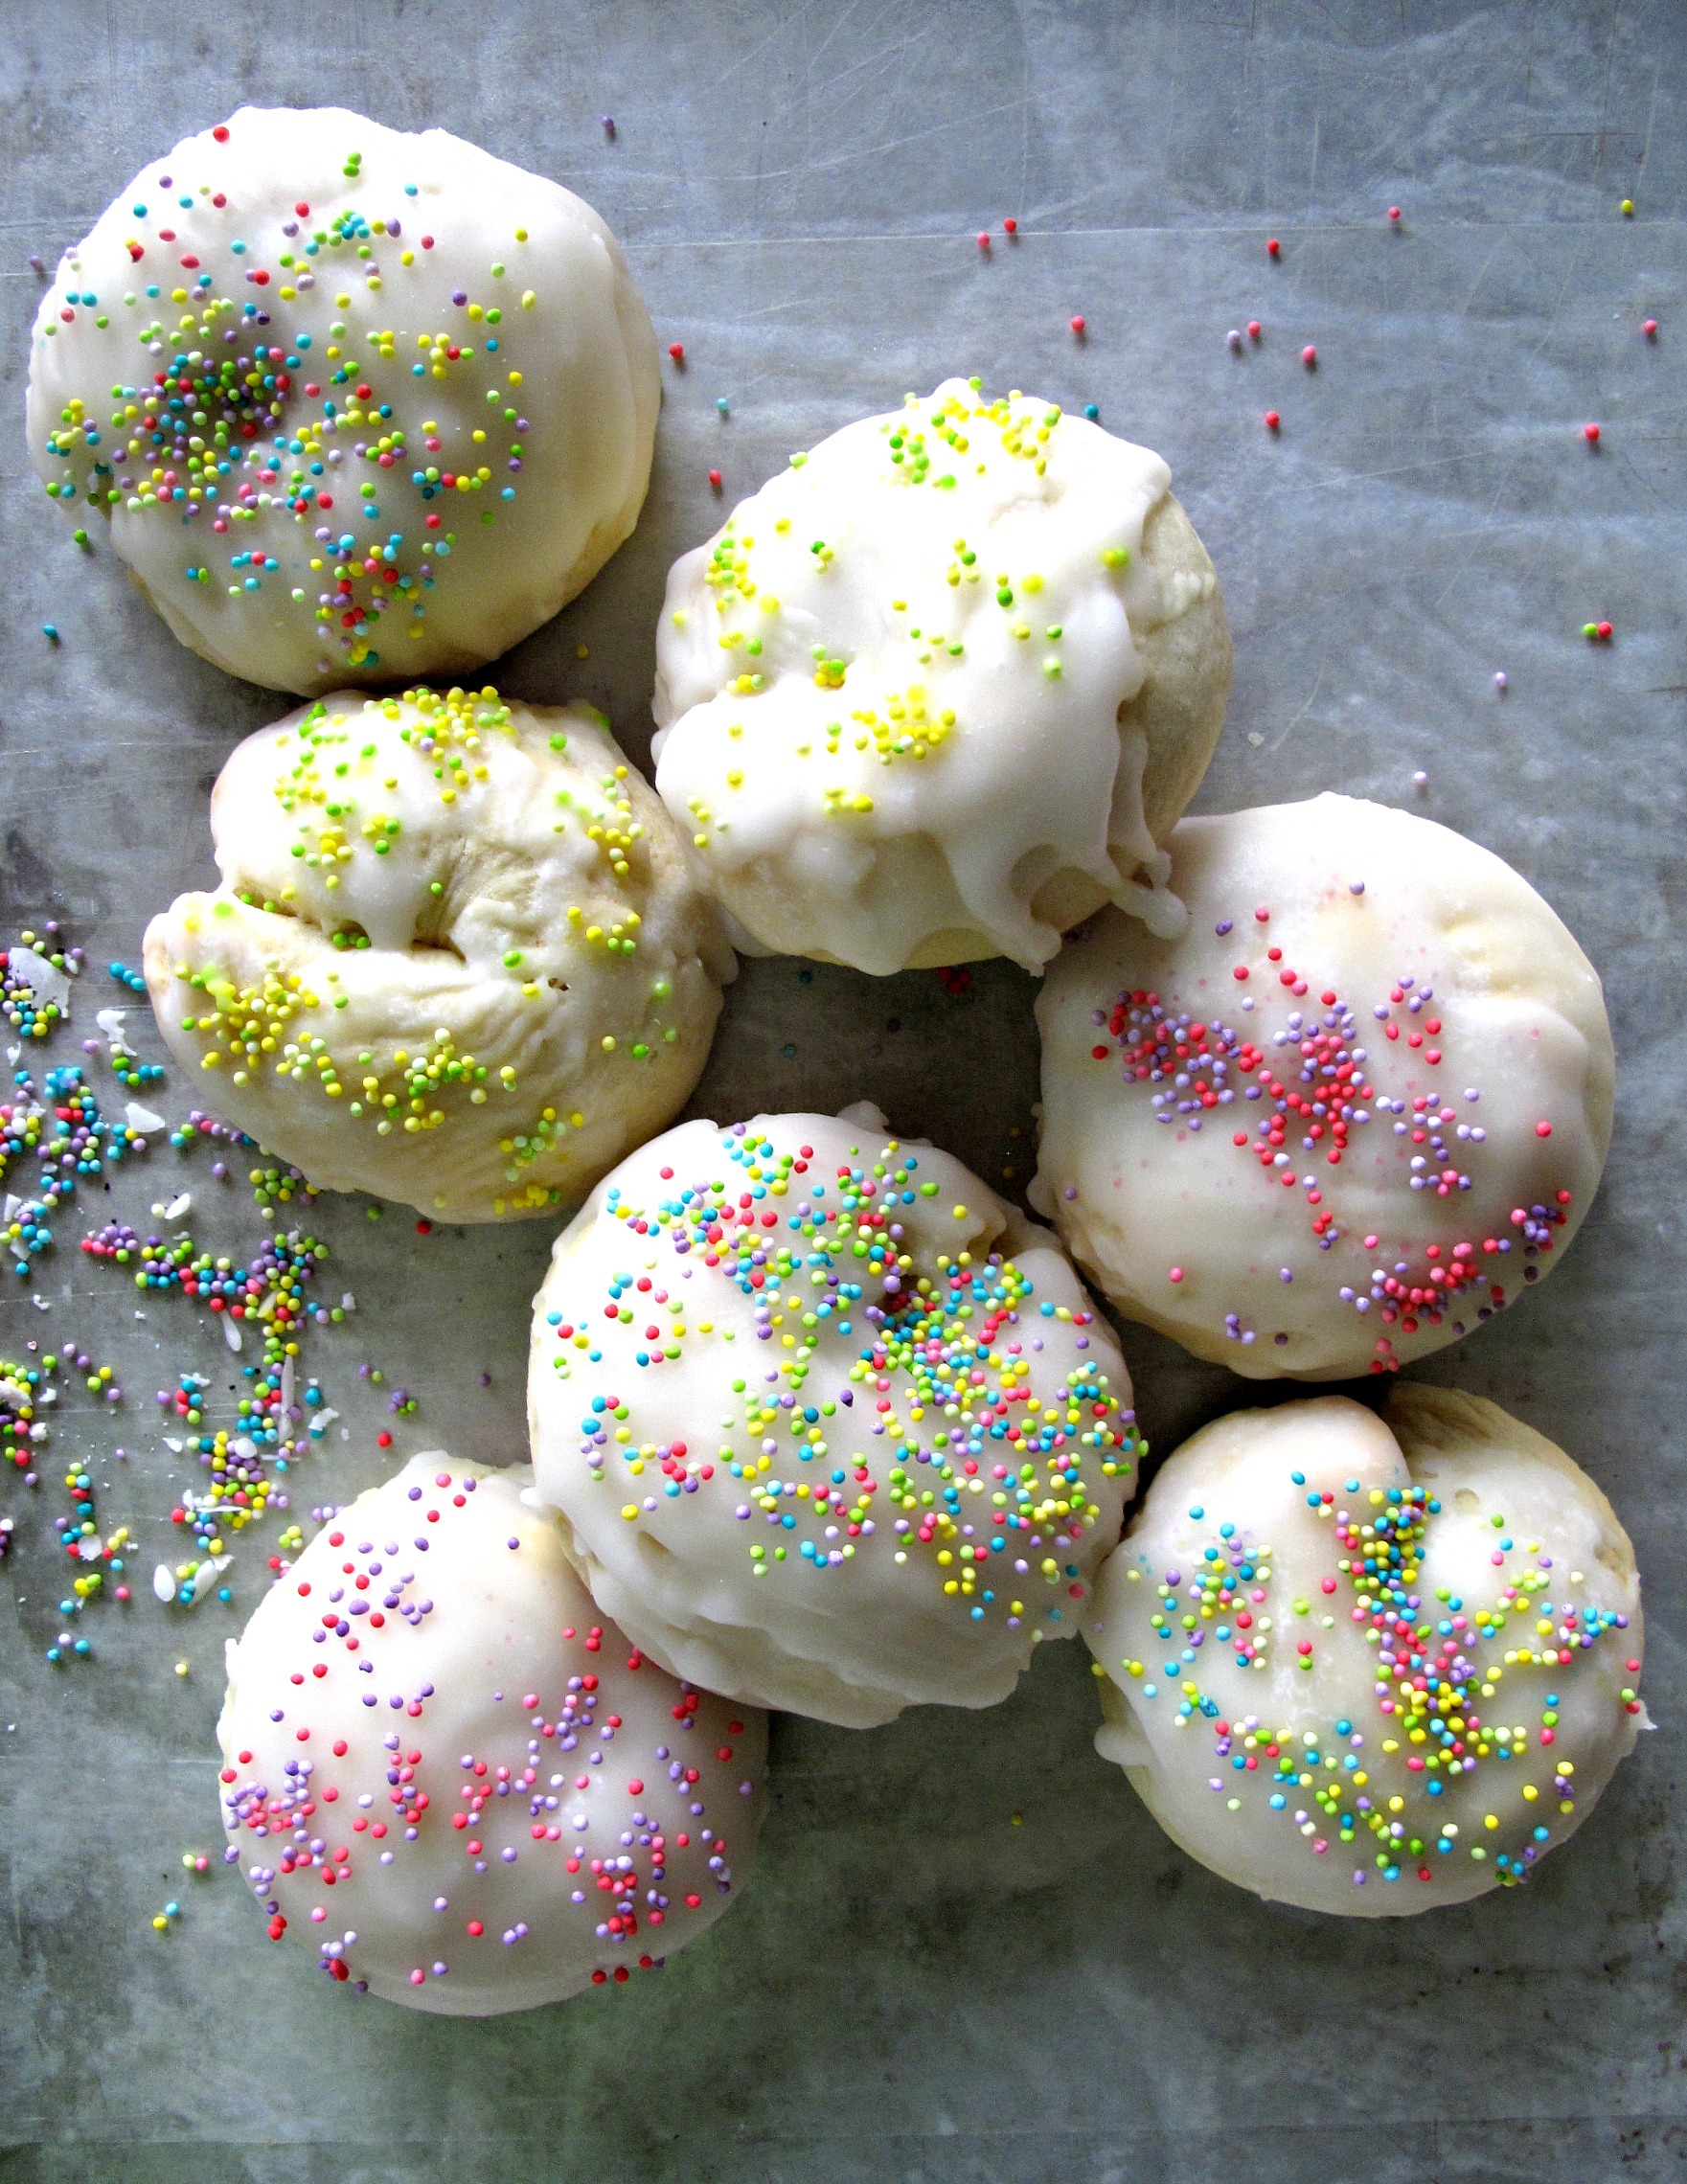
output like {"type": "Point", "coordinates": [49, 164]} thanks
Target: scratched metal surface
{"type": "Point", "coordinates": [916, 1987]}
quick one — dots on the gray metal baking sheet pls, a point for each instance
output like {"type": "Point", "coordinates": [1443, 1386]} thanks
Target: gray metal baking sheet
{"type": "Point", "coordinates": [968, 1955]}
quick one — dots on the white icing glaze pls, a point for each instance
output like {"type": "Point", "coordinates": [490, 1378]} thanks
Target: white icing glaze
{"type": "Point", "coordinates": [488, 1771]}
{"type": "Point", "coordinates": [688, 1415]}
{"type": "Point", "coordinates": [540, 980]}
{"type": "Point", "coordinates": [1272, 1724]}
{"type": "Point", "coordinates": [836, 675]}
{"type": "Point", "coordinates": [1139, 1168]}
{"type": "Point", "coordinates": [390, 315]}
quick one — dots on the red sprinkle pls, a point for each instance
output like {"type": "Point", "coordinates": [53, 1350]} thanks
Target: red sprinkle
{"type": "Point", "coordinates": [383, 1440]}
{"type": "Point", "coordinates": [220, 133]}
{"type": "Point", "coordinates": [1273, 421]}
{"type": "Point", "coordinates": [1273, 249]}
{"type": "Point", "coordinates": [715, 480]}
{"type": "Point", "coordinates": [1394, 212]}
{"type": "Point", "coordinates": [1591, 434]}
{"type": "Point", "coordinates": [676, 350]}
{"type": "Point", "coordinates": [1010, 227]}
{"type": "Point", "coordinates": [1078, 327]}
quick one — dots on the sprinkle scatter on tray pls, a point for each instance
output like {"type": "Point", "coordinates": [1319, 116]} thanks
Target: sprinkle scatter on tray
{"type": "Point", "coordinates": [1440, 1665]}
{"type": "Point", "coordinates": [1311, 1081]}
{"type": "Point", "coordinates": [58, 1124]}
{"type": "Point", "coordinates": [30, 1389]}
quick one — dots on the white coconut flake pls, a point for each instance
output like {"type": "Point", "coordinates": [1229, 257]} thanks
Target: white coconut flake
{"type": "Point", "coordinates": [49, 982]}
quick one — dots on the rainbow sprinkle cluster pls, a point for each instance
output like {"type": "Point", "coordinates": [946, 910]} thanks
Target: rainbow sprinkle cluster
{"type": "Point", "coordinates": [1437, 1666]}
{"type": "Point", "coordinates": [950, 1341]}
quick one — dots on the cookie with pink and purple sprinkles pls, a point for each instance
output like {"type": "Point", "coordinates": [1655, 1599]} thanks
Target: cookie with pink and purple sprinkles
{"type": "Point", "coordinates": [1358, 1106]}
{"type": "Point", "coordinates": [455, 1781]}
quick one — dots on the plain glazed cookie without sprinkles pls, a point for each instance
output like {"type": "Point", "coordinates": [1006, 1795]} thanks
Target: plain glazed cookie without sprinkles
{"type": "Point", "coordinates": [1353, 1111]}
{"type": "Point", "coordinates": [453, 1779]}
{"type": "Point", "coordinates": [457, 957]}
{"type": "Point", "coordinates": [1370, 1665]}
{"type": "Point", "coordinates": [361, 406]}
{"type": "Point", "coordinates": [826, 1421]}
{"type": "Point", "coordinates": [941, 687]}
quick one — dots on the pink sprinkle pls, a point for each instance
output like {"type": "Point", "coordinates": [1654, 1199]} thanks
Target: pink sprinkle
{"type": "Point", "coordinates": [1309, 356]}
{"type": "Point", "coordinates": [1544, 1130]}
{"type": "Point", "coordinates": [1176, 1274]}
{"type": "Point", "coordinates": [1255, 331]}
{"type": "Point", "coordinates": [715, 480]}
{"type": "Point", "coordinates": [983, 240]}
{"type": "Point", "coordinates": [1650, 329]}
{"type": "Point", "coordinates": [1273, 421]}
{"type": "Point", "coordinates": [1078, 327]}
{"type": "Point", "coordinates": [1394, 214]}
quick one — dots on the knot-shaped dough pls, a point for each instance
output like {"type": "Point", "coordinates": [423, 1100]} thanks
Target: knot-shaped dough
{"type": "Point", "coordinates": [1370, 1665]}
{"type": "Point", "coordinates": [941, 687]}
{"type": "Point", "coordinates": [360, 405]}
{"type": "Point", "coordinates": [457, 956]}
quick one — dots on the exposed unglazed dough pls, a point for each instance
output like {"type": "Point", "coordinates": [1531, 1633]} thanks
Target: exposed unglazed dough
{"type": "Point", "coordinates": [826, 1421]}
{"type": "Point", "coordinates": [360, 405]}
{"type": "Point", "coordinates": [446, 1771]}
{"type": "Point", "coordinates": [1353, 1111]}
{"type": "Point", "coordinates": [943, 685]}
{"type": "Point", "coordinates": [1370, 1665]}
{"type": "Point", "coordinates": [457, 957]}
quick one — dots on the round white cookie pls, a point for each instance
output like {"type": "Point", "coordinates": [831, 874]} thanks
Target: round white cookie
{"type": "Point", "coordinates": [446, 1772]}
{"type": "Point", "coordinates": [826, 1422]}
{"type": "Point", "coordinates": [457, 957]}
{"type": "Point", "coordinates": [1351, 1112]}
{"type": "Point", "coordinates": [358, 405]}
{"type": "Point", "coordinates": [1370, 1665]}
{"type": "Point", "coordinates": [941, 687]}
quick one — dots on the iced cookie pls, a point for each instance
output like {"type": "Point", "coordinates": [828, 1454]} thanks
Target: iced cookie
{"type": "Point", "coordinates": [358, 406]}
{"type": "Point", "coordinates": [1370, 1665]}
{"type": "Point", "coordinates": [825, 1420]}
{"type": "Point", "coordinates": [451, 1776]}
{"type": "Point", "coordinates": [941, 687]}
{"type": "Point", "coordinates": [457, 957]}
{"type": "Point", "coordinates": [1354, 1110]}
